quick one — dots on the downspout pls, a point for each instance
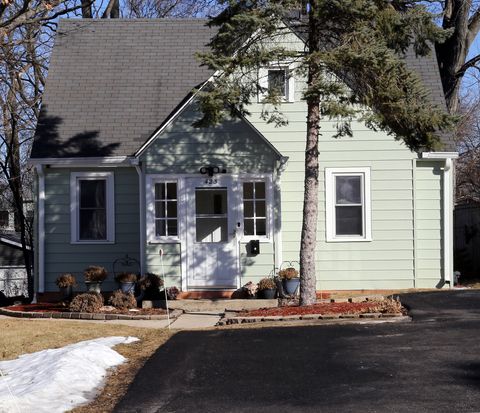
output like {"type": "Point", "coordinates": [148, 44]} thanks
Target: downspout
{"type": "Point", "coordinates": [141, 206]}
{"type": "Point", "coordinates": [281, 165]}
{"type": "Point", "coordinates": [447, 223]}
{"type": "Point", "coordinates": [41, 228]}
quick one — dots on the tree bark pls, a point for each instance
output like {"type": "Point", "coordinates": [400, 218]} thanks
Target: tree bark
{"type": "Point", "coordinates": [452, 54]}
{"type": "Point", "coordinates": [310, 200]}
{"type": "Point", "coordinates": [86, 9]}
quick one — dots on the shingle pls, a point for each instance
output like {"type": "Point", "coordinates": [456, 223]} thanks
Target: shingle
{"type": "Point", "coordinates": [112, 83]}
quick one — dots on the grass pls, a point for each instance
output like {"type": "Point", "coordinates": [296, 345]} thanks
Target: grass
{"type": "Point", "coordinates": [28, 336]}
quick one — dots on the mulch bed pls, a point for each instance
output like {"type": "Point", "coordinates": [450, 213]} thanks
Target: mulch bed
{"type": "Point", "coordinates": [321, 308]}
{"type": "Point", "coordinates": [62, 308]}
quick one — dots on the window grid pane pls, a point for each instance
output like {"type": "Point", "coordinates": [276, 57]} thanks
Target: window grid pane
{"type": "Point", "coordinates": [254, 209]}
{"type": "Point", "coordinates": [166, 209]}
{"type": "Point", "coordinates": [349, 201]}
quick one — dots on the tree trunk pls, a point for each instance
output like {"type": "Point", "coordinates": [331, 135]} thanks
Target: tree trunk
{"type": "Point", "coordinates": [310, 200]}
{"type": "Point", "coordinates": [453, 52]}
{"type": "Point", "coordinates": [86, 9]}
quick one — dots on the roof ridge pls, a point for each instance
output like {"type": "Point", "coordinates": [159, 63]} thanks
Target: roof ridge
{"type": "Point", "coordinates": [137, 20]}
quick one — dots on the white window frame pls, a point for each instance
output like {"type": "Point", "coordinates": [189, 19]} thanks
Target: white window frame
{"type": "Point", "coordinates": [263, 81]}
{"type": "Point", "coordinates": [330, 188]}
{"type": "Point", "coordinates": [150, 195]}
{"type": "Point", "coordinates": [268, 237]}
{"type": "Point", "coordinates": [108, 177]}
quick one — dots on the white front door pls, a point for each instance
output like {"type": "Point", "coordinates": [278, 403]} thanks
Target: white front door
{"type": "Point", "coordinates": [212, 247]}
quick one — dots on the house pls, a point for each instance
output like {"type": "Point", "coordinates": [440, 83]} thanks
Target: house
{"type": "Point", "coordinates": [121, 170]}
{"type": "Point", "coordinates": [13, 275]}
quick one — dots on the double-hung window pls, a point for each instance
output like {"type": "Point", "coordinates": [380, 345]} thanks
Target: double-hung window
{"type": "Point", "coordinates": [348, 211]}
{"type": "Point", "coordinates": [162, 202]}
{"type": "Point", "coordinates": [92, 207]}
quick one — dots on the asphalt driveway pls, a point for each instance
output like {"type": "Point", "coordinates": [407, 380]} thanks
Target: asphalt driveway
{"type": "Point", "coordinates": [429, 365]}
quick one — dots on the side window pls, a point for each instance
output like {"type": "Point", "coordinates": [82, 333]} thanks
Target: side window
{"type": "Point", "coordinates": [4, 218]}
{"type": "Point", "coordinates": [166, 209]}
{"type": "Point", "coordinates": [348, 204]}
{"type": "Point", "coordinates": [277, 82]}
{"type": "Point", "coordinates": [255, 209]}
{"type": "Point", "coordinates": [93, 215]}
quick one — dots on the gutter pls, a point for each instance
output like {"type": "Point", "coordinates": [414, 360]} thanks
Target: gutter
{"type": "Point", "coordinates": [447, 157]}
{"type": "Point", "coordinates": [41, 228]}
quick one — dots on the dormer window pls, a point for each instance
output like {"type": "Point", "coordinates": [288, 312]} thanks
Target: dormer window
{"type": "Point", "coordinates": [278, 80]}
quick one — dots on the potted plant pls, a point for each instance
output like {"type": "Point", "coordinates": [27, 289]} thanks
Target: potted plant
{"type": "Point", "coordinates": [127, 281]}
{"type": "Point", "coordinates": [267, 288]}
{"type": "Point", "coordinates": [94, 276]}
{"type": "Point", "coordinates": [290, 280]}
{"type": "Point", "coordinates": [66, 282]}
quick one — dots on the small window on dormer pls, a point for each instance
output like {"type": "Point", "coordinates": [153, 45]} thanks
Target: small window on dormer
{"type": "Point", "coordinates": [277, 82]}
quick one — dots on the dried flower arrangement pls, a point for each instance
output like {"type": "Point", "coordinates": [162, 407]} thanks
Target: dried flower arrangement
{"type": "Point", "coordinates": [266, 284]}
{"type": "Point", "coordinates": [126, 277]}
{"type": "Point", "coordinates": [250, 288]}
{"type": "Point", "coordinates": [288, 273]}
{"type": "Point", "coordinates": [172, 293]}
{"type": "Point", "coordinates": [95, 273]}
{"type": "Point", "coordinates": [150, 281]}
{"type": "Point", "coordinates": [66, 280]}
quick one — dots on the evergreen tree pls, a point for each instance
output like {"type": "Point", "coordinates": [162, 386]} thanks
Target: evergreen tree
{"type": "Point", "coordinates": [354, 68]}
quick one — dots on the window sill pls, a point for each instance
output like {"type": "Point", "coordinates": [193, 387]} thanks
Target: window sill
{"type": "Point", "coordinates": [262, 240]}
{"type": "Point", "coordinates": [175, 240]}
{"type": "Point", "coordinates": [350, 239]}
{"type": "Point", "coordinates": [92, 242]}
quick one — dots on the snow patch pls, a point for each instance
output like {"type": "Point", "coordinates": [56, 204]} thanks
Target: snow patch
{"type": "Point", "coordinates": [57, 380]}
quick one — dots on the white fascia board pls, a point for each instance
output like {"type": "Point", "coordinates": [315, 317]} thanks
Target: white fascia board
{"type": "Point", "coordinates": [14, 243]}
{"type": "Point", "coordinates": [83, 161]}
{"type": "Point", "coordinates": [439, 155]}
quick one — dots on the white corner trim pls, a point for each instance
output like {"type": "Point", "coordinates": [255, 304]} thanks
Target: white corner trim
{"type": "Point", "coordinates": [330, 174]}
{"type": "Point", "coordinates": [74, 204]}
{"type": "Point", "coordinates": [439, 155]}
{"type": "Point", "coordinates": [448, 223]}
{"type": "Point", "coordinates": [141, 203]}
{"type": "Point", "coordinates": [41, 228]}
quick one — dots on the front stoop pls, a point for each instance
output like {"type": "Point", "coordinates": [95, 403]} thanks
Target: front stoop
{"type": "Point", "coordinates": [212, 305]}
{"type": "Point", "coordinates": [244, 320]}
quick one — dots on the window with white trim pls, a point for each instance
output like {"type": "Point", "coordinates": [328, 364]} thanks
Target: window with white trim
{"type": "Point", "coordinates": [348, 204]}
{"type": "Point", "coordinates": [255, 220]}
{"type": "Point", "coordinates": [92, 215]}
{"type": "Point", "coordinates": [278, 80]}
{"type": "Point", "coordinates": [166, 209]}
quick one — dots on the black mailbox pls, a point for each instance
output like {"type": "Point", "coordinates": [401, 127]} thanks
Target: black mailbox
{"type": "Point", "coordinates": [254, 247]}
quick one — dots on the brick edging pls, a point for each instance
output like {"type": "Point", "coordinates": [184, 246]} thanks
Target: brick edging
{"type": "Point", "coordinates": [87, 316]}
{"type": "Point", "coordinates": [243, 320]}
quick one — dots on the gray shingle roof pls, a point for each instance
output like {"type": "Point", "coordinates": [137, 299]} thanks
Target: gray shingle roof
{"type": "Point", "coordinates": [112, 83]}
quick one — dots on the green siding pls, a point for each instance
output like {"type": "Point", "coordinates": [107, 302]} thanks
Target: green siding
{"type": "Point", "coordinates": [429, 210]}
{"type": "Point", "coordinates": [60, 255]}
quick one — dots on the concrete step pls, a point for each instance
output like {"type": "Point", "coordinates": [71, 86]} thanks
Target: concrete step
{"type": "Point", "coordinates": [213, 305]}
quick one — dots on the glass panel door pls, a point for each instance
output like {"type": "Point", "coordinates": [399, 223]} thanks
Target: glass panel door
{"type": "Point", "coordinates": [211, 215]}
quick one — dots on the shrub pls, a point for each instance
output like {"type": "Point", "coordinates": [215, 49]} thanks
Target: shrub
{"type": "Point", "coordinates": [87, 303]}
{"type": "Point", "coordinates": [66, 280]}
{"type": "Point", "coordinates": [150, 281]}
{"type": "Point", "coordinates": [126, 277]}
{"type": "Point", "coordinates": [95, 273]}
{"type": "Point", "coordinates": [266, 284]}
{"type": "Point", "coordinates": [388, 306]}
{"type": "Point", "coordinates": [122, 301]}
{"type": "Point", "coordinates": [288, 273]}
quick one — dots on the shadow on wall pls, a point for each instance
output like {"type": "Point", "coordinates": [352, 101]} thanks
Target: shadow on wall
{"type": "Point", "coordinates": [48, 142]}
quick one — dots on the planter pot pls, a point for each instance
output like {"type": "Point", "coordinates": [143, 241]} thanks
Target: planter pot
{"type": "Point", "coordinates": [66, 292]}
{"type": "Point", "coordinates": [268, 294]}
{"type": "Point", "coordinates": [94, 286]}
{"type": "Point", "coordinates": [291, 286]}
{"type": "Point", "coordinates": [128, 287]}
